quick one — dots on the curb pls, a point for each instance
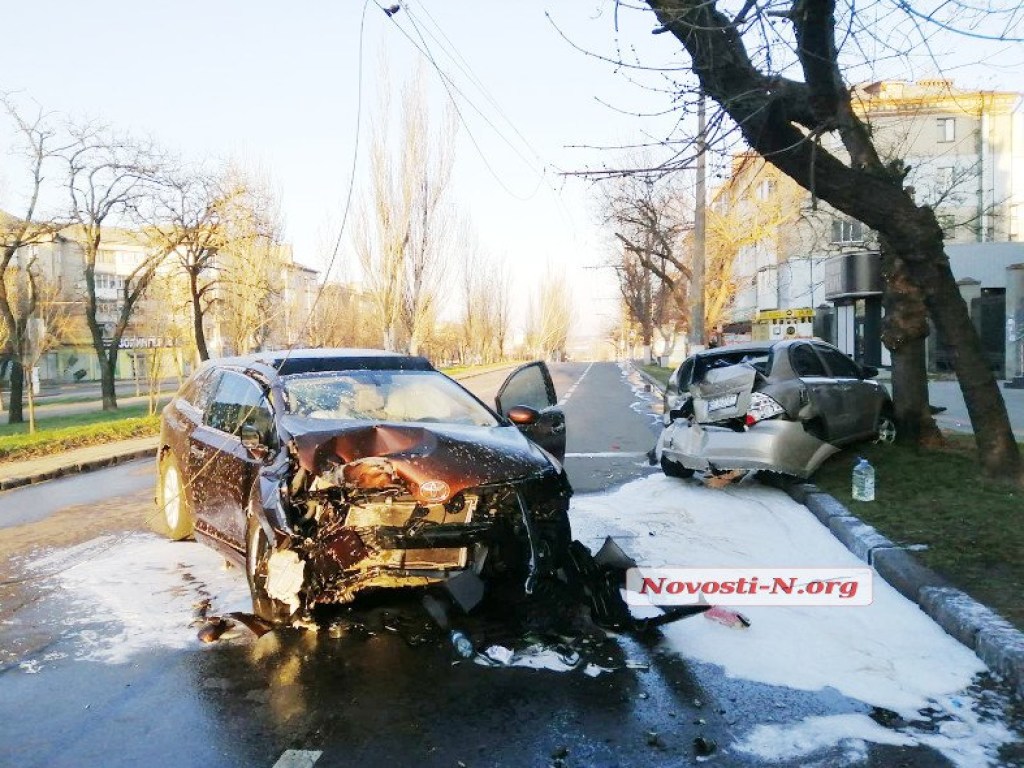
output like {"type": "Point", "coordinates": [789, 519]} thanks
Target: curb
{"type": "Point", "coordinates": [77, 468]}
{"type": "Point", "coordinates": [993, 639]}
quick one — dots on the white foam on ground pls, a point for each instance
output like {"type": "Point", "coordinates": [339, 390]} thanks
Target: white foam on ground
{"type": "Point", "coordinates": [888, 654]}
{"type": "Point", "coordinates": [144, 586]}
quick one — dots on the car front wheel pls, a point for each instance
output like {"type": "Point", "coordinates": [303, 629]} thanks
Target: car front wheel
{"type": "Point", "coordinates": [173, 518]}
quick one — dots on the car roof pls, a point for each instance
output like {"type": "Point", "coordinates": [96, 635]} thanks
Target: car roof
{"type": "Point", "coordinates": [286, 362]}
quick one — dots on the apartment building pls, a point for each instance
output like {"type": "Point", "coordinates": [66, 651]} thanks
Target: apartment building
{"type": "Point", "coordinates": [965, 152]}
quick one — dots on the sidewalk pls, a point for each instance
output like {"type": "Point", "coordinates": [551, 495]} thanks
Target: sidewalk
{"type": "Point", "coordinates": [18, 473]}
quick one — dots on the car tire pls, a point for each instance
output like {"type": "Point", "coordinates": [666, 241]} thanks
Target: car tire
{"type": "Point", "coordinates": [257, 553]}
{"type": "Point", "coordinates": [173, 516]}
{"type": "Point", "coordinates": [885, 429]}
{"type": "Point", "coordinates": [675, 469]}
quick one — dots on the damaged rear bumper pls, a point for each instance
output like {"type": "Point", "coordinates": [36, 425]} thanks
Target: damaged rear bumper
{"type": "Point", "coordinates": [776, 446]}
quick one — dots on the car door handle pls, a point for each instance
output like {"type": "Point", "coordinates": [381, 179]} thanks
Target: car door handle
{"type": "Point", "coordinates": [198, 453]}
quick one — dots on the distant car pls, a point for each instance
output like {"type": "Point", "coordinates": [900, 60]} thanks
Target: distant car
{"type": "Point", "coordinates": [328, 472]}
{"type": "Point", "coordinates": [781, 406]}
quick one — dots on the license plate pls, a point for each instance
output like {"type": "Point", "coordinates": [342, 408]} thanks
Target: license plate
{"type": "Point", "coordinates": [718, 403]}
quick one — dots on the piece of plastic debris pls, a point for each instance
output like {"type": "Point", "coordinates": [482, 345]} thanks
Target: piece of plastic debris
{"type": "Point", "coordinates": [500, 654]}
{"type": "Point", "coordinates": [643, 695]}
{"type": "Point", "coordinates": [593, 670]}
{"type": "Point", "coordinates": [634, 664]}
{"type": "Point", "coordinates": [212, 630]}
{"type": "Point", "coordinates": [728, 618]}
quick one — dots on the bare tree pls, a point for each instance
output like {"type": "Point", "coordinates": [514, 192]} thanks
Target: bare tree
{"type": "Point", "coordinates": [250, 261]}
{"type": "Point", "coordinates": [549, 317]}
{"type": "Point", "coordinates": [405, 223]}
{"type": "Point", "coordinates": [48, 327]}
{"type": "Point", "coordinates": [746, 59]}
{"type": "Point", "coordinates": [19, 285]}
{"type": "Point", "coordinates": [195, 204]}
{"type": "Point", "coordinates": [111, 180]}
{"type": "Point", "coordinates": [647, 215]}
{"type": "Point", "coordinates": [343, 317]}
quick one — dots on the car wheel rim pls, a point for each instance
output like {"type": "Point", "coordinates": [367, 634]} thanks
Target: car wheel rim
{"type": "Point", "coordinates": [172, 497]}
{"type": "Point", "coordinates": [886, 430]}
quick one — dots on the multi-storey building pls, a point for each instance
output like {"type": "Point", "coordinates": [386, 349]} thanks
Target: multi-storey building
{"type": "Point", "coordinates": [965, 152]}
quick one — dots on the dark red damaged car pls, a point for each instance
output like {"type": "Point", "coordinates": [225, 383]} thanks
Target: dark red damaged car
{"type": "Point", "coordinates": [328, 472]}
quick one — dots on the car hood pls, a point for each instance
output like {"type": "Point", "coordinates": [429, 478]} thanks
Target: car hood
{"type": "Point", "coordinates": [459, 456]}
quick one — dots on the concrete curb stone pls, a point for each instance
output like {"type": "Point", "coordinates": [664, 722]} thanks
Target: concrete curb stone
{"type": "Point", "coordinates": [993, 639]}
{"type": "Point", "coordinates": [859, 537]}
{"type": "Point", "coordinates": [71, 469]}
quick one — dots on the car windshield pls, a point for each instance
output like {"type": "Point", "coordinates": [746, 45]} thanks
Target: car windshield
{"type": "Point", "coordinates": [395, 396]}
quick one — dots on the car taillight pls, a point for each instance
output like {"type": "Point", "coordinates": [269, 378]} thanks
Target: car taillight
{"type": "Point", "coordinates": [762, 407]}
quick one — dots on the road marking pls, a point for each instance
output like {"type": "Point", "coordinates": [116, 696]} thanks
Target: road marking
{"type": "Point", "coordinates": [608, 455]}
{"type": "Point", "coordinates": [298, 758]}
{"type": "Point", "coordinates": [575, 384]}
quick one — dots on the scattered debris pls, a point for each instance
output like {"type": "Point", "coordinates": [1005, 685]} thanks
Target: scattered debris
{"type": "Point", "coordinates": [212, 630]}
{"type": "Point", "coordinates": [728, 618]}
{"type": "Point", "coordinates": [723, 479]}
{"type": "Point", "coordinates": [703, 746]}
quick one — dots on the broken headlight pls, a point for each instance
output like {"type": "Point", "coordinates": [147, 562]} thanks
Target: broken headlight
{"type": "Point", "coordinates": [762, 407]}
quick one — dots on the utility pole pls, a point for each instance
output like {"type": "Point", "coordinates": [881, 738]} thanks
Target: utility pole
{"type": "Point", "coordinates": [697, 269]}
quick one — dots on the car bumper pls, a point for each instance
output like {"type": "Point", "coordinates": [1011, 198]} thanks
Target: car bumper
{"type": "Point", "coordinates": [775, 445]}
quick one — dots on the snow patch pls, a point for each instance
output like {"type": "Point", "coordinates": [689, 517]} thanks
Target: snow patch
{"type": "Point", "coordinates": [145, 586]}
{"type": "Point", "coordinates": [888, 654]}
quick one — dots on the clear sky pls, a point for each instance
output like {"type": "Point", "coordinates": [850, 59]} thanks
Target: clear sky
{"type": "Point", "coordinates": [277, 85]}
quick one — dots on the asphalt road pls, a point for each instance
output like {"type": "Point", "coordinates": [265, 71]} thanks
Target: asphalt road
{"type": "Point", "coordinates": [89, 676]}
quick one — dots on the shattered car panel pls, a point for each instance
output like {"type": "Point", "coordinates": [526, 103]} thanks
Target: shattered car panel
{"type": "Point", "coordinates": [781, 407]}
{"type": "Point", "coordinates": [359, 470]}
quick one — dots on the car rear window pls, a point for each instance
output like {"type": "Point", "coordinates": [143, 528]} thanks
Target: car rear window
{"type": "Point", "coordinates": [758, 359]}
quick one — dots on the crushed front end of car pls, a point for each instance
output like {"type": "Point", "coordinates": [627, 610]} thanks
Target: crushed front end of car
{"type": "Point", "coordinates": [737, 419]}
{"type": "Point", "coordinates": [382, 506]}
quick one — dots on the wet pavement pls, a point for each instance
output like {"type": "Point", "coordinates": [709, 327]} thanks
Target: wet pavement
{"type": "Point", "coordinates": [100, 664]}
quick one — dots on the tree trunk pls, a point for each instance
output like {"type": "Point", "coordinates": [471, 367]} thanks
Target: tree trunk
{"type": "Point", "coordinates": [108, 369]}
{"type": "Point", "coordinates": [15, 407]}
{"type": "Point", "coordinates": [905, 329]}
{"type": "Point", "coordinates": [999, 453]}
{"type": "Point", "coordinates": [197, 317]}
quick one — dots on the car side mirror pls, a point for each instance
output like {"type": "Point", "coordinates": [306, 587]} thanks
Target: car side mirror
{"type": "Point", "coordinates": [523, 415]}
{"type": "Point", "coordinates": [869, 371]}
{"type": "Point", "coordinates": [252, 441]}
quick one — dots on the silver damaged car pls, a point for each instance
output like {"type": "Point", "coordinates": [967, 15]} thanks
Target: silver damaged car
{"type": "Point", "coordinates": [782, 406]}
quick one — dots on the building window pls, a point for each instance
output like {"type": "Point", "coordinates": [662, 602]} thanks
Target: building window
{"type": "Point", "coordinates": [947, 129]}
{"type": "Point", "coordinates": [847, 231]}
{"type": "Point", "coordinates": [764, 189]}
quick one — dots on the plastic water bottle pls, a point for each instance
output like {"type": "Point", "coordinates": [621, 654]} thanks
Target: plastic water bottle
{"type": "Point", "coordinates": [863, 481]}
{"type": "Point", "coordinates": [462, 645]}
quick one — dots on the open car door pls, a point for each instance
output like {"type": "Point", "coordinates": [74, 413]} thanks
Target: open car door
{"type": "Point", "coordinates": [530, 387]}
